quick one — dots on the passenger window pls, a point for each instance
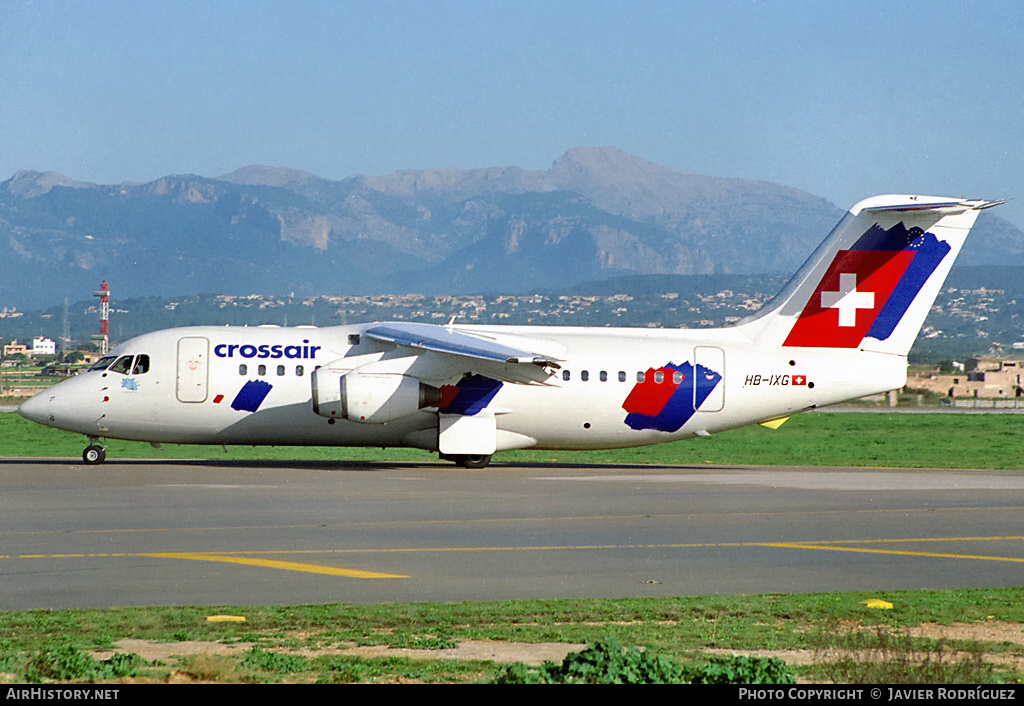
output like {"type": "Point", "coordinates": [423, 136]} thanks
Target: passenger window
{"type": "Point", "coordinates": [566, 375]}
{"type": "Point", "coordinates": [604, 376]}
{"type": "Point", "coordinates": [299, 370]}
{"type": "Point", "coordinates": [122, 366]}
{"type": "Point", "coordinates": [659, 376]}
{"type": "Point", "coordinates": [640, 376]}
{"type": "Point", "coordinates": [584, 375]}
{"type": "Point", "coordinates": [141, 366]}
{"type": "Point", "coordinates": [622, 376]}
{"type": "Point", "coordinates": [280, 370]}
{"type": "Point", "coordinates": [261, 370]}
{"type": "Point", "coordinates": [677, 377]}
{"type": "Point", "coordinates": [243, 369]}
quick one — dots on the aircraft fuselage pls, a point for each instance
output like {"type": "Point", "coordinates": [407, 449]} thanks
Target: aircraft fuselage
{"type": "Point", "coordinates": [252, 385]}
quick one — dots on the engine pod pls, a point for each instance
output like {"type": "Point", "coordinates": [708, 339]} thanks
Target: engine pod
{"type": "Point", "coordinates": [376, 398]}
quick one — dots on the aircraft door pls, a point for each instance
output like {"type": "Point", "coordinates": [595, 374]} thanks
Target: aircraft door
{"type": "Point", "coordinates": [709, 379]}
{"type": "Point", "coordinates": [193, 368]}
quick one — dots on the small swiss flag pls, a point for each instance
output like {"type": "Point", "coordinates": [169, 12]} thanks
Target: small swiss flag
{"type": "Point", "coordinates": [849, 297]}
{"type": "Point", "coordinates": [799, 379]}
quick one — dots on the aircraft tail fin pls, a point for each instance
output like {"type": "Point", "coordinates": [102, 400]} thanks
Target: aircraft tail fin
{"type": "Point", "coordinates": [871, 283]}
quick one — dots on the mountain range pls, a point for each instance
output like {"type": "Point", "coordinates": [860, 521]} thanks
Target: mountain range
{"type": "Point", "coordinates": [597, 213]}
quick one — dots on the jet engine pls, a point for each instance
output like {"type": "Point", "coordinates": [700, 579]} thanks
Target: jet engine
{"type": "Point", "coordinates": [370, 398]}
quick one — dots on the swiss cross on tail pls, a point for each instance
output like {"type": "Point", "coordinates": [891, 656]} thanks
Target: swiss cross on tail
{"type": "Point", "coordinates": [866, 290]}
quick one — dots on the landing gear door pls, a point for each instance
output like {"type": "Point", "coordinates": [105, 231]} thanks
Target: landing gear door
{"type": "Point", "coordinates": [460, 434]}
{"type": "Point", "coordinates": [709, 379]}
{"type": "Point", "coordinates": [193, 368]}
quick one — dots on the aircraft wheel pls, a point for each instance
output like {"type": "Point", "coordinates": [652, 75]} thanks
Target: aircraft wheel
{"type": "Point", "coordinates": [94, 454]}
{"type": "Point", "coordinates": [473, 460]}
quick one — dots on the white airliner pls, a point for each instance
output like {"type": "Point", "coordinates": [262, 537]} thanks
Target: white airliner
{"type": "Point", "coordinates": [839, 330]}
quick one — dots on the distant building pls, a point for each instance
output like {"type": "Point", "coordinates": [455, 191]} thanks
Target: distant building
{"type": "Point", "coordinates": [43, 346]}
{"type": "Point", "coordinates": [981, 377]}
{"type": "Point", "coordinates": [14, 348]}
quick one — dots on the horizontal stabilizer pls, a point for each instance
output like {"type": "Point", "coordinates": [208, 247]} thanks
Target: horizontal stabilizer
{"type": "Point", "coordinates": [946, 207]}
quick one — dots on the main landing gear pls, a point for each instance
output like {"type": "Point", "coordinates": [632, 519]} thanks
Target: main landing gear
{"type": "Point", "coordinates": [470, 460]}
{"type": "Point", "coordinates": [94, 453]}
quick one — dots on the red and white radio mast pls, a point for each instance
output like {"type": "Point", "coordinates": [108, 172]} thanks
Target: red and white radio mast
{"type": "Point", "coordinates": [104, 337]}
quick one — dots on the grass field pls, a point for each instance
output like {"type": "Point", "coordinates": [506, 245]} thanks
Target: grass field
{"type": "Point", "coordinates": [822, 637]}
{"type": "Point", "coordinates": [983, 441]}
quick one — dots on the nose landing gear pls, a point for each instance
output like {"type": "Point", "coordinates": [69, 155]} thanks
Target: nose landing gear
{"type": "Point", "coordinates": [94, 453]}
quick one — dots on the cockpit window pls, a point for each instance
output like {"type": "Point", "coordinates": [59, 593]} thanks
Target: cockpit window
{"type": "Point", "coordinates": [141, 364]}
{"type": "Point", "coordinates": [123, 365]}
{"type": "Point", "coordinates": [102, 363]}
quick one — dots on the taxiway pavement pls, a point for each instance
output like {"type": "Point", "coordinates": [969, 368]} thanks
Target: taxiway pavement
{"type": "Point", "coordinates": [232, 533]}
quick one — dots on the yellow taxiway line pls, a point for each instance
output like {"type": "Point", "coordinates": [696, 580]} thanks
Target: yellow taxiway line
{"type": "Point", "coordinates": [246, 557]}
{"type": "Point", "coordinates": [891, 552]}
{"type": "Point", "coordinates": [272, 564]}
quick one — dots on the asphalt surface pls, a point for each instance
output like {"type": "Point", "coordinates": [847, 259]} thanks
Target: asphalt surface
{"type": "Point", "coordinates": [235, 533]}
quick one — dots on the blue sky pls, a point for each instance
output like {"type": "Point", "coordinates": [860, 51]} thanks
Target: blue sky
{"type": "Point", "coordinates": [841, 99]}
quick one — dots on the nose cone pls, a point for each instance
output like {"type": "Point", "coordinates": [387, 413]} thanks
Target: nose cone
{"type": "Point", "coordinates": [36, 408]}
